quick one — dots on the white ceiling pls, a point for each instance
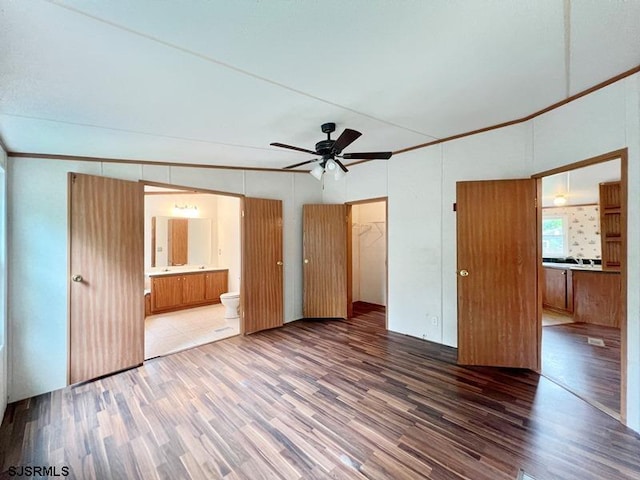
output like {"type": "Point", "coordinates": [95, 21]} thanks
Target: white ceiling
{"type": "Point", "coordinates": [215, 82]}
{"type": "Point", "coordinates": [580, 186]}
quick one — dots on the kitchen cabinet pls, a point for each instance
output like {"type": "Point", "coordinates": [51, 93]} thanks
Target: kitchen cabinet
{"type": "Point", "coordinates": [611, 225]}
{"type": "Point", "coordinates": [558, 289]}
{"type": "Point", "coordinates": [187, 289]}
{"type": "Point", "coordinates": [598, 298]}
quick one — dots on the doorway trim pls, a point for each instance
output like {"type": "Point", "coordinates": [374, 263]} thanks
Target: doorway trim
{"type": "Point", "coordinates": [350, 255]}
{"type": "Point", "coordinates": [621, 154]}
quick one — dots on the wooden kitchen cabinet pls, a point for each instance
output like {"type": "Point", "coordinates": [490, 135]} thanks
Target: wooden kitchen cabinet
{"type": "Point", "coordinates": [611, 225]}
{"type": "Point", "coordinates": [598, 298]}
{"type": "Point", "coordinates": [186, 290]}
{"type": "Point", "coordinates": [558, 289]}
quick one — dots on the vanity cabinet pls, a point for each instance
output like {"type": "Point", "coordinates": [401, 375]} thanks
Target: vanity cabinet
{"type": "Point", "coordinates": [216, 283]}
{"type": "Point", "coordinates": [558, 289]}
{"type": "Point", "coordinates": [187, 289]}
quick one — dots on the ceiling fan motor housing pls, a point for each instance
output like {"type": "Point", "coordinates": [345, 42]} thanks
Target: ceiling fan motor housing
{"type": "Point", "coordinates": [323, 147]}
{"type": "Point", "coordinates": [328, 127]}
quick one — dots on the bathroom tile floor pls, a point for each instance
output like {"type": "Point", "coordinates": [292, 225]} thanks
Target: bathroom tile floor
{"type": "Point", "coordinates": [174, 331]}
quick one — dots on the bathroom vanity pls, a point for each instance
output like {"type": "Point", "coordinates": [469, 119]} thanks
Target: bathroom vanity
{"type": "Point", "coordinates": [186, 288]}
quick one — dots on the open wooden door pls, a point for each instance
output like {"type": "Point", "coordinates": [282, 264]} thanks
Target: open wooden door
{"type": "Point", "coordinates": [325, 261]}
{"type": "Point", "coordinates": [106, 285]}
{"type": "Point", "coordinates": [262, 266]}
{"type": "Point", "coordinates": [498, 318]}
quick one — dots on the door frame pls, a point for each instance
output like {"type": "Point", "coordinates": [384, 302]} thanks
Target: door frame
{"type": "Point", "coordinates": [621, 154]}
{"type": "Point", "coordinates": [350, 255]}
{"type": "Point", "coordinates": [197, 190]}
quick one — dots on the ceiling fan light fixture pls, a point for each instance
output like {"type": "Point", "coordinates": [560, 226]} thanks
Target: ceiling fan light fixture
{"type": "Point", "coordinates": [339, 174]}
{"type": "Point", "coordinates": [317, 172]}
{"type": "Point", "coordinates": [330, 166]}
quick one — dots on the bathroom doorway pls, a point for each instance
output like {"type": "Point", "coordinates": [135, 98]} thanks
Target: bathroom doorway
{"type": "Point", "coordinates": [367, 246]}
{"type": "Point", "coordinates": [192, 257]}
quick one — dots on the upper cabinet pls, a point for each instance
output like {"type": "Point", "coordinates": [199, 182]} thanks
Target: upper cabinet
{"type": "Point", "coordinates": [610, 225]}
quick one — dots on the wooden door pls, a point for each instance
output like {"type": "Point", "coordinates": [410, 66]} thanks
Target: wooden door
{"type": "Point", "coordinates": [262, 265]}
{"type": "Point", "coordinates": [497, 240]}
{"type": "Point", "coordinates": [106, 288]}
{"type": "Point", "coordinates": [325, 261]}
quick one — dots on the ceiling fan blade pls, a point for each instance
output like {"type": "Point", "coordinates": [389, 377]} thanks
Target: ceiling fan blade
{"type": "Point", "coordinates": [341, 165]}
{"type": "Point", "coordinates": [344, 140]}
{"type": "Point", "coordinates": [300, 164]}
{"type": "Point", "coordinates": [291, 147]}
{"type": "Point", "coordinates": [368, 156]}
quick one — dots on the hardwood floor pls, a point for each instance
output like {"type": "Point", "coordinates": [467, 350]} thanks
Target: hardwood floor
{"type": "Point", "coordinates": [318, 399]}
{"type": "Point", "coordinates": [590, 371]}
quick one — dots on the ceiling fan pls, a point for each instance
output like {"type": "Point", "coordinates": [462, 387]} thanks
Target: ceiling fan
{"type": "Point", "coordinates": [330, 152]}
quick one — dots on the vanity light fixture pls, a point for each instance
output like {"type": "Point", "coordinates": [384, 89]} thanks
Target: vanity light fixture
{"type": "Point", "coordinates": [189, 211]}
{"type": "Point", "coordinates": [560, 200]}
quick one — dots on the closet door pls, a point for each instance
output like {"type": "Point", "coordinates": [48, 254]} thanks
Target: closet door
{"type": "Point", "coordinates": [262, 265]}
{"type": "Point", "coordinates": [325, 261]}
{"type": "Point", "coordinates": [106, 284]}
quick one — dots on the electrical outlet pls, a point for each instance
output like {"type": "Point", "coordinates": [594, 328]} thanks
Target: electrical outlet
{"type": "Point", "coordinates": [434, 321]}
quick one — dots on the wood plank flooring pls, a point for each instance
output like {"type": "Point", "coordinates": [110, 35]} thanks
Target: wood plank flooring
{"type": "Point", "coordinates": [590, 371]}
{"type": "Point", "coordinates": [314, 400]}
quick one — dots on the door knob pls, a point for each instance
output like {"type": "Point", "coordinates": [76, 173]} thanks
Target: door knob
{"type": "Point", "coordinates": [77, 278]}
{"type": "Point", "coordinates": [463, 273]}
{"type": "Point", "coordinates": [279, 262]}
{"type": "Point", "coordinates": [306, 260]}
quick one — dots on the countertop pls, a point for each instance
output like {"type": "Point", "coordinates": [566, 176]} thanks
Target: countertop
{"type": "Point", "coordinates": [159, 271]}
{"type": "Point", "coordinates": [574, 266]}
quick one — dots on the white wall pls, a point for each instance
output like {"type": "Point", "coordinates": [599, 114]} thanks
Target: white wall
{"type": "Point", "coordinates": [229, 241]}
{"type": "Point", "coordinates": [420, 186]}
{"type": "Point", "coordinates": [37, 226]}
{"type": "Point", "coordinates": [369, 252]}
{"type": "Point", "coordinates": [3, 284]}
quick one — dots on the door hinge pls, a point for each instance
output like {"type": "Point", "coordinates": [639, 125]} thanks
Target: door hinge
{"type": "Point", "coordinates": [535, 202]}
{"type": "Point", "coordinates": [242, 213]}
{"type": "Point", "coordinates": [455, 207]}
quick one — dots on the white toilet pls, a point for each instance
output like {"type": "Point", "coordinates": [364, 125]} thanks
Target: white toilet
{"type": "Point", "coordinates": [231, 302]}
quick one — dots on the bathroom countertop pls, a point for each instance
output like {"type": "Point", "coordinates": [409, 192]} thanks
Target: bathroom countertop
{"type": "Point", "coordinates": [159, 271]}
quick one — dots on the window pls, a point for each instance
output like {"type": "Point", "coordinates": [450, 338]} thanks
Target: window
{"type": "Point", "coordinates": [555, 238]}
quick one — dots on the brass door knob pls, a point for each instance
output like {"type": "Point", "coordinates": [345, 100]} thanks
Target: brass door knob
{"type": "Point", "coordinates": [463, 273]}
{"type": "Point", "coordinates": [279, 262]}
{"type": "Point", "coordinates": [306, 260]}
{"type": "Point", "coordinates": [77, 278]}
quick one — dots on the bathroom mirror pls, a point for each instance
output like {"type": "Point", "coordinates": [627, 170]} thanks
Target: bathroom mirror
{"type": "Point", "coordinates": [180, 241]}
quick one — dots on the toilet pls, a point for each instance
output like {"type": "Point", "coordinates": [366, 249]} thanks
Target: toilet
{"type": "Point", "coordinates": [231, 302]}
